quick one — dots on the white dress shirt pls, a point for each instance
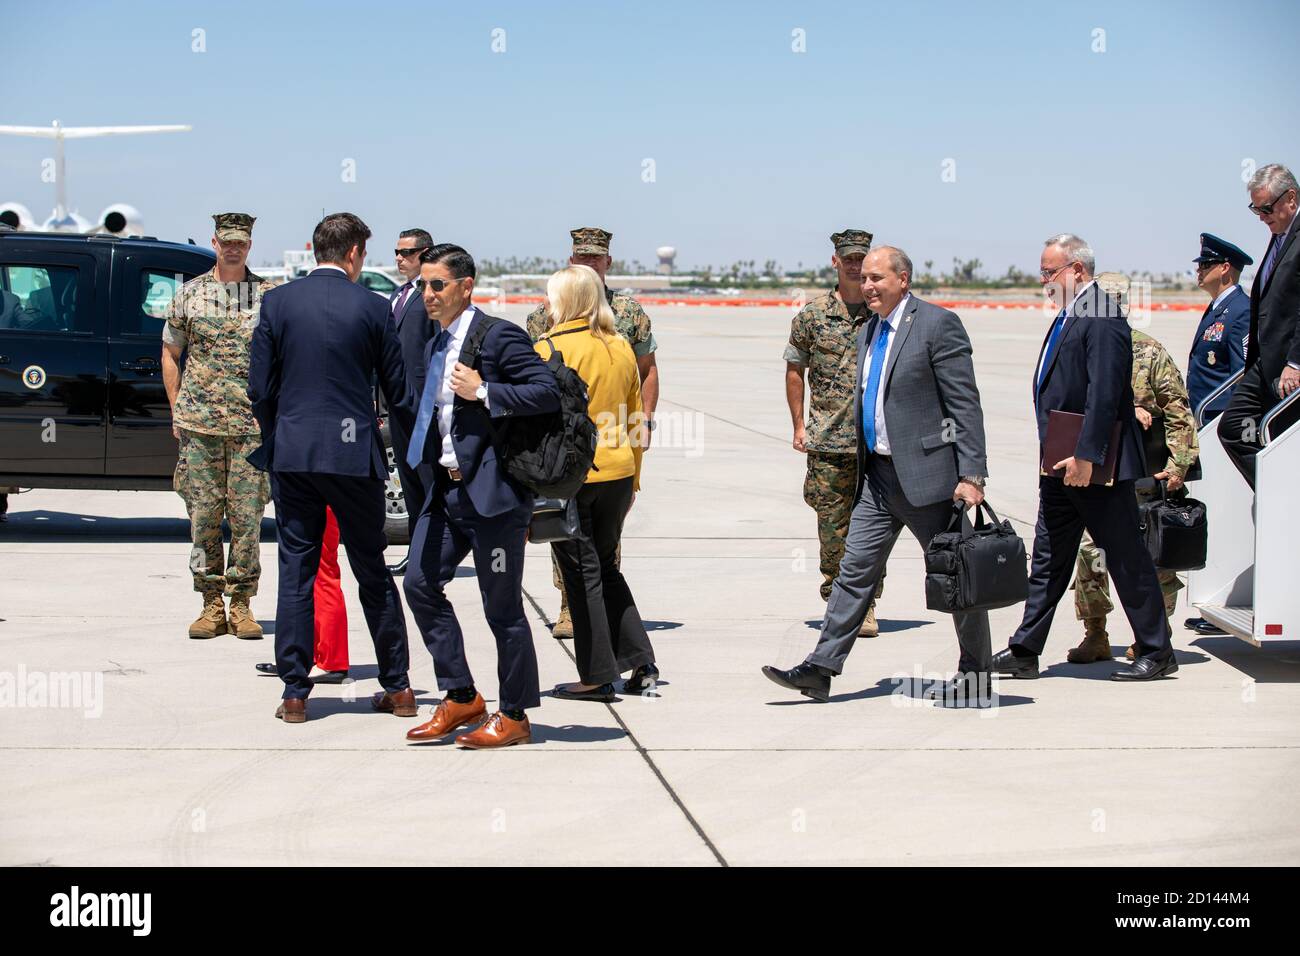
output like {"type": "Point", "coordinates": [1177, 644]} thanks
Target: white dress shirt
{"type": "Point", "coordinates": [882, 433]}
{"type": "Point", "coordinates": [446, 397]}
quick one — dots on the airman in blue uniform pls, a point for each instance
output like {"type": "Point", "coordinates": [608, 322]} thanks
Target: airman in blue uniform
{"type": "Point", "coordinates": [1219, 349]}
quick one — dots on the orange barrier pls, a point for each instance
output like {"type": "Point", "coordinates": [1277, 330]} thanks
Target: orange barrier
{"type": "Point", "coordinates": [792, 304]}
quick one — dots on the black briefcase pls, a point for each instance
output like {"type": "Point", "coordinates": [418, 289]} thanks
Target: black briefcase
{"type": "Point", "coordinates": [1175, 531]}
{"type": "Point", "coordinates": [554, 519]}
{"type": "Point", "coordinates": [975, 568]}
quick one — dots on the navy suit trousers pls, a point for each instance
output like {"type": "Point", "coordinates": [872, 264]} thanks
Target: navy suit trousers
{"type": "Point", "coordinates": [358, 504]}
{"type": "Point", "coordinates": [448, 529]}
{"type": "Point", "coordinates": [1111, 517]}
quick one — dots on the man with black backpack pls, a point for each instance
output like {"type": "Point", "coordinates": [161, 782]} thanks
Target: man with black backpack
{"type": "Point", "coordinates": [482, 378]}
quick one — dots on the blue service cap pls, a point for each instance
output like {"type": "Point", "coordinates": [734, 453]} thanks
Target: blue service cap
{"type": "Point", "coordinates": [1214, 249]}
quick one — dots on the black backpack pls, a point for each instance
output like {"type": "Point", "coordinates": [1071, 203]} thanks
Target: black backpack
{"type": "Point", "coordinates": [549, 454]}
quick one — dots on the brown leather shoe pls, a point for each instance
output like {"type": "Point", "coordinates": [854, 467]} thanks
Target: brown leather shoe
{"type": "Point", "coordinates": [449, 716]}
{"type": "Point", "coordinates": [400, 704]}
{"type": "Point", "coordinates": [292, 710]}
{"type": "Point", "coordinates": [499, 731]}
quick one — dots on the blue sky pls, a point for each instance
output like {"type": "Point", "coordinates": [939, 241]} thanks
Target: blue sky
{"type": "Point", "coordinates": [759, 152]}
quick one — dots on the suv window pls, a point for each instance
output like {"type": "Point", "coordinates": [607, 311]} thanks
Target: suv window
{"type": "Point", "coordinates": [377, 282]}
{"type": "Point", "coordinates": [154, 294]}
{"type": "Point", "coordinates": [41, 299]}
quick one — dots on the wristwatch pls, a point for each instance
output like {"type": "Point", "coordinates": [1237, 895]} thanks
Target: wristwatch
{"type": "Point", "coordinates": [977, 482]}
{"type": "Point", "coordinates": [650, 424]}
{"type": "Point", "coordinates": [481, 392]}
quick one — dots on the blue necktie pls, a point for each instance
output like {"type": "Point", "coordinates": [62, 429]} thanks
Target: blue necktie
{"type": "Point", "coordinates": [1270, 260]}
{"type": "Point", "coordinates": [873, 385]}
{"type": "Point", "coordinates": [428, 400]}
{"type": "Point", "coordinates": [1051, 347]}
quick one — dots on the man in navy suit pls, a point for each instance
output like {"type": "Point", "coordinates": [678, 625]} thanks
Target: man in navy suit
{"type": "Point", "coordinates": [319, 343]}
{"type": "Point", "coordinates": [1086, 367]}
{"type": "Point", "coordinates": [474, 506]}
{"type": "Point", "coordinates": [1273, 354]}
{"type": "Point", "coordinates": [414, 331]}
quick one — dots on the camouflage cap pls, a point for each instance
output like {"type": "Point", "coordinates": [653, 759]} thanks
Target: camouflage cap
{"type": "Point", "coordinates": [234, 225]}
{"type": "Point", "coordinates": [590, 241]}
{"type": "Point", "coordinates": [851, 242]}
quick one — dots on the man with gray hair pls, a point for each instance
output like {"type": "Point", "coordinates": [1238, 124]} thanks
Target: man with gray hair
{"type": "Point", "coordinates": [1086, 368]}
{"type": "Point", "coordinates": [920, 448]}
{"type": "Point", "coordinates": [1273, 352]}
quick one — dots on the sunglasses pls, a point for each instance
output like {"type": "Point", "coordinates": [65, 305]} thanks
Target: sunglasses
{"type": "Point", "coordinates": [437, 285]}
{"type": "Point", "coordinates": [414, 251]}
{"type": "Point", "coordinates": [1266, 209]}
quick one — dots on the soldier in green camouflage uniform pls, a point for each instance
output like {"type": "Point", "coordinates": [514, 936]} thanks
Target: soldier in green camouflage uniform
{"type": "Point", "coordinates": [1162, 407]}
{"type": "Point", "coordinates": [212, 320]}
{"type": "Point", "coordinates": [591, 248]}
{"type": "Point", "coordinates": [823, 344]}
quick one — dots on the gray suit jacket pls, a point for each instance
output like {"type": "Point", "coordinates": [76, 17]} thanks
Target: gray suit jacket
{"type": "Point", "coordinates": [932, 405]}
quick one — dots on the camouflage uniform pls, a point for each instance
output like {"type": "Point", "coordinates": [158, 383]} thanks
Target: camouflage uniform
{"type": "Point", "coordinates": [630, 321]}
{"type": "Point", "coordinates": [214, 324]}
{"type": "Point", "coordinates": [823, 340]}
{"type": "Point", "coordinates": [1157, 387]}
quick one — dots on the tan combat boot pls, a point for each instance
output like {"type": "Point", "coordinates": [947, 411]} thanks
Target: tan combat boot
{"type": "Point", "coordinates": [242, 623]}
{"type": "Point", "coordinates": [563, 629]}
{"type": "Point", "coordinates": [1096, 643]}
{"type": "Point", "coordinates": [213, 619]}
{"type": "Point", "coordinates": [869, 626]}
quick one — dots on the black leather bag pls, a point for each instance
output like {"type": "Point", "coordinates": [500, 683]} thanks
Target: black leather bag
{"type": "Point", "coordinates": [1175, 531]}
{"type": "Point", "coordinates": [554, 519]}
{"type": "Point", "coordinates": [975, 568]}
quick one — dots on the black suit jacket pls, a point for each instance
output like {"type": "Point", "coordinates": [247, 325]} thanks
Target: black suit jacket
{"type": "Point", "coordinates": [1275, 314]}
{"type": "Point", "coordinates": [319, 343]}
{"type": "Point", "coordinates": [1090, 373]}
{"type": "Point", "coordinates": [414, 330]}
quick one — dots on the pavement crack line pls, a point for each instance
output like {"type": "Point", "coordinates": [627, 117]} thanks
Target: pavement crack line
{"type": "Point", "coordinates": [645, 755]}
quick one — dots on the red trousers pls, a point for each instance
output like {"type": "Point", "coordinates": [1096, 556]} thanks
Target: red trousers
{"type": "Point", "coordinates": [331, 614]}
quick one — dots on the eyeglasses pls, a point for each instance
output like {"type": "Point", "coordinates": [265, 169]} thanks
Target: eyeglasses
{"type": "Point", "coordinates": [1206, 266]}
{"type": "Point", "coordinates": [437, 285]}
{"type": "Point", "coordinates": [413, 251]}
{"type": "Point", "coordinates": [1047, 275]}
{"type": "Point", "coordinates": [1266, 209]}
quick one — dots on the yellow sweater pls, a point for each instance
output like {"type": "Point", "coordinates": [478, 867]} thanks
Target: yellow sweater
{"type": "Point", "coordinates": [613, 392]}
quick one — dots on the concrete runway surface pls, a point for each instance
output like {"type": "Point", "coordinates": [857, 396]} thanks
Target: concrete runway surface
{"type": "Point", "coordinates": [179, 761]}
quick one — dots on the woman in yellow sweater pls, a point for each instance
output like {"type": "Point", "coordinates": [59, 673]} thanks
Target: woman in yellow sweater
{"type": "Point", "coordinates": [609, 638]}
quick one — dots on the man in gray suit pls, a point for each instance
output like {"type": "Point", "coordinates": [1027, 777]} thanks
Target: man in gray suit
{"type": "Point", "coordinates": [920, 448]}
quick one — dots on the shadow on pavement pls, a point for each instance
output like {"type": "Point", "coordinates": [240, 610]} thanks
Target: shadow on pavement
{"type": "Point", "coordinates": [886, 625]}
{"type": "Point", "coordinates": [909, 689]}
{"type": "Point", "coordinates": [1274, 664]}
{"type": "Point", "coordinates": [67, 526]}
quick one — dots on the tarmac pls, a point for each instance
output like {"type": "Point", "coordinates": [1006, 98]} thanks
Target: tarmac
{"type": "Point", "coordinates": [171, 755]}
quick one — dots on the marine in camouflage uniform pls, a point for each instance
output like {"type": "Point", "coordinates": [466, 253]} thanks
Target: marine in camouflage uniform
{"type": "Point", "coordinates": [1158, 389]}
{"type": "Point", "coordinates": [823, 343]}
{"type": "Point", "coordinates": [213, 322]}
{"type": "Point", "coordinates": [631, 322]}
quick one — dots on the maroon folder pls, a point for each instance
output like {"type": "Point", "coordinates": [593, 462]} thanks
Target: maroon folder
{"type": "Point", "coordinates": [1063, 430]}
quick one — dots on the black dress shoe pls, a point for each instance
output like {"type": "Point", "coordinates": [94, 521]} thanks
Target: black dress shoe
{"type": "Point", "coordinates": [643, 679]}
{"type": "Point", "coordinates": [1192, 623]}
{"type": "Point", "coordinates": [267, 669]}
{"type": "Point", "coordinates": [400, 567]}
{"type": "Point", "coordinates": [319, 676]}
{"type": "Point", "coordinates": [969, 689]}
{"type": "Point", "coordinates": [1205, 627]}
{"type": "Point", "coordinates": [1006, 662]}
{"type": "Point", "coordinates": [1147, 668]}
{"type": "Point", "coordinates": [604, 694]}
{"type": "Point", "coordinates": [808, 679]}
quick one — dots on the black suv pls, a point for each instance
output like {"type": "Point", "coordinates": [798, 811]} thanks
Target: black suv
{"type": "Point", "coordinates": [82, 403]}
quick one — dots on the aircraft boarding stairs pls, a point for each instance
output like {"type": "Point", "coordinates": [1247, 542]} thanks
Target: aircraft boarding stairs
{"type": "Point", "coordinates": [1250, 585]}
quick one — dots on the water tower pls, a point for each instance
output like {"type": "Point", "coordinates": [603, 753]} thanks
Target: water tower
{"type": "Point", "coordinates": [666, 256]}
